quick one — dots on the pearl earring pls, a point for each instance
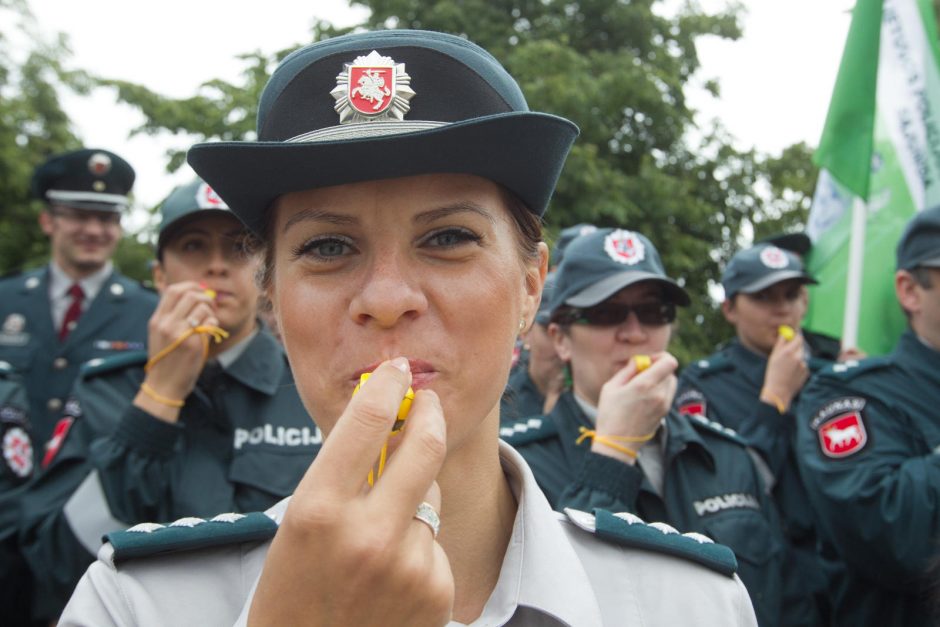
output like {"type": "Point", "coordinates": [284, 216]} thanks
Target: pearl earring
{"type": "Point", "coordinates": [521, 324]}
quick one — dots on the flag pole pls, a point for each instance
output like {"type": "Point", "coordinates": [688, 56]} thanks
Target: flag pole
{"type": "Point", "coordinates": [853, 283]}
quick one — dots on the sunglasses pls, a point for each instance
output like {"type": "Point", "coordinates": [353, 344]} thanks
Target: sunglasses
{"type": "Point", "coordinates": [610, 314]}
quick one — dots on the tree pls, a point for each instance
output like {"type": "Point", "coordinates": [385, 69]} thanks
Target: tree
{"type": "Point", "coordinates": [620, 70]}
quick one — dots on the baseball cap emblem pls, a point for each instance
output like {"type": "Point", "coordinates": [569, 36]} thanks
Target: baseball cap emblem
{"type": "Point", "coordinates": [372, 88]}
{"type": "Point", "coordinates": [773, 257]}
{"type": "Point", "coordinates": [625, 247]}
{"type": "Point", "coordinates": [206, 198]}
{"type": "Point", "coordinates": [99, 164]}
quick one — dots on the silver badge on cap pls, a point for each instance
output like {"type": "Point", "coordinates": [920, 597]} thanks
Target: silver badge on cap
{"type": "Point", "coordinates": [625, 247]}
{"type": "Point", "coordinates": [99, 164]}
{"type": "Point", "coordinates": [372, 88]}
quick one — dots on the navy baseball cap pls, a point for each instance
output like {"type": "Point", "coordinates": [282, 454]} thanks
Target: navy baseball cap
{"type": "Point", "coordinates": [90, 178]}
{"type": "Point", "coordinates": [387, 104]}
{"type": "Point", "coordinates": [566, 236]}
{"type": "Point", "coordinates": [799, 243]}
{"type": "Point", "coordinates": [187, 202]}
{"type": "Point", "coordinates": [759, 267]}
{"type": "Point", "coordinates": [919, 245]}
{"type": "Point", "coordinates": [600, 264]}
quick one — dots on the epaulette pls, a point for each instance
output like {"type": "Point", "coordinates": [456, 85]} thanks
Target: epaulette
{"type": "Point", "coordinates": [719, 362]}
{"type": "Point", "coordinates": [704, 423]}
{"type": "Point", "coordinates": [100, 365]}
{"type": "Point", "coordinates": [190, 534]}
{"type": "Point", "coordinates": [847, 370]}
{"type": "Point", "coordinates": [527, 430]}
{"type": "Point", "coordinates": [630, 530]}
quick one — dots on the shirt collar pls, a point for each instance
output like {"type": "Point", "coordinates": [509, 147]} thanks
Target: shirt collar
{"type": "Point", "coordinates": [541, 570]}
{"type": "Point", "coordinates": [60, 282]}
{"type": "Point", "coordinates": [255, 362]}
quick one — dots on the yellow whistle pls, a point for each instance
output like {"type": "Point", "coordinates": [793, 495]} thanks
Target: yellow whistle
{"type": "Point", "coordinates": [403, 409]}
{"type": "Point", "coordinates": [210, 293]}
{"type": "Point", "coordinates": [786, 331]}
{"type": "Point", "coordinates": [642, 362]}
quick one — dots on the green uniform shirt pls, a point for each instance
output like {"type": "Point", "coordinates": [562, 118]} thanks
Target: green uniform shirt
{"type": "Point", "coordinates": [242, 443]}
{"type": "Point", "coordinates": [114, 322]}
{"type": "Point", "coordinates": [521, 398]}
{"type": "Point", "coordinates": [868, 443]}
{"type": "Point", "coordinates": [711, 486]}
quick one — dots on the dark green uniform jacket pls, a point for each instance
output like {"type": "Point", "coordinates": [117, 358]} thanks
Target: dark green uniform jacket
{"type": "Point", "coordinates": [710, 486]}
{"type": "Point", "coordinates": [521, 398]}
{"type": "Point", "coordinates": [115, 322]}
{"type": "Point", "coordinates": [868, 444]}
{"type": "Point", "coordinates": [725, 387]}
{"type": "Point", "coordinates": [242, 443]}
{"type": "Point", "coordinates": [16, 468]}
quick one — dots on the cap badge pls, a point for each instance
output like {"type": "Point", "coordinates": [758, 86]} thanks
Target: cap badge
{"type": "Point", "coordinates": [99, 164]}
{"type": "Point", "coordinates": [99, 186]}
{"type": "Point", "coordinates": [206, 198]}
{"type": "Point", "coordinates": [372, 88]}
{"type": "Point", "coordinates": [625, 247]}
{"type": "Point", "coordinates": [773, 257]}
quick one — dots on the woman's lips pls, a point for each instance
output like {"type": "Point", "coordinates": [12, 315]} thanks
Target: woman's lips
{"type": "Point", "coordinates": [422, 373]}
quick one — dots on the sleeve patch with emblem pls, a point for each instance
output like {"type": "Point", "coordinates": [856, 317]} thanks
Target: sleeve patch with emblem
{"type": "Point", "coordinates": [840, 427]}
{"type": "Point", "coordinates": [18, 451]}
{"type": "Point", "coordinates": [691, 403]}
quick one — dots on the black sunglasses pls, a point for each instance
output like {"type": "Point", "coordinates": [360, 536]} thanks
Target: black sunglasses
{"type": "Point", "coordinates": [610, 314]}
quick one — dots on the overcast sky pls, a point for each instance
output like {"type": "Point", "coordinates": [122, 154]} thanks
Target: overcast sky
{"type": "Point", "coordinates": [775, 81]}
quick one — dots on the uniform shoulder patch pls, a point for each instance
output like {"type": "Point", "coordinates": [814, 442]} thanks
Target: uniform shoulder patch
{"type": "Point", "coordinates": [527, 430]}
{"type": "Point", "coordinates": [101, 365]}
{"type": "Point", "coordinates": [703, 423]}
{"type": "Point", "coordinates": [190, 534]}
{"type": "Point", "coordinates": [691, 401]}
{"type": "Point", "coordinates": [840, 427]}
{"type": "Point", "coordinates": [629, 530]}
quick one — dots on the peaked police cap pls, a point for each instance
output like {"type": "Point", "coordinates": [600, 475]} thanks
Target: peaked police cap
{"type": "Point", "coordinates": [600, 264]}
{"type": "Point", "coordinates": [90, 178]}
{"type": "Point", "coordinates": [387, 104]}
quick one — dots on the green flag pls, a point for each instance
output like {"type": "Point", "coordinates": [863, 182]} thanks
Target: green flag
{"type": "Point", "coordinates": [880, 152]}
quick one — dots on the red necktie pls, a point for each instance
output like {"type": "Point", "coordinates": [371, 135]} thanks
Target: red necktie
{"type": "Point", "coordinates": [73, 312]}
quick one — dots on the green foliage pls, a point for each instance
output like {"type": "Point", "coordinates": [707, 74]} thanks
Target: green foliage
{"type": "Point", "coordinates": [134, 257]}
{"type": "Point", "coordinates": [33, 126]}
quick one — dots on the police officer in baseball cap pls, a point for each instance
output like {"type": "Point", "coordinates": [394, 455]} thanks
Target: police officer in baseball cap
{"type": "Point", "coordinates": [396, 190]}
{"type": "Point", "coordinates": [867, 447]}
{"type": "Point", "coordinates": [752, 385]}
{"type": "Point", "coordinates": [612, 436]}
{"type": "Point", "coordinates": [181, 424]}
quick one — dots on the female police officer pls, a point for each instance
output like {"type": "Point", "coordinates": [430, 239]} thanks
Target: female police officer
{"type": "Point", "coordinates": [404, 243]}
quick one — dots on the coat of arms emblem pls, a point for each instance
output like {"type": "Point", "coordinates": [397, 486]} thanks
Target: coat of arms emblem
{"type": "Point", "coordinates": [371, 88]}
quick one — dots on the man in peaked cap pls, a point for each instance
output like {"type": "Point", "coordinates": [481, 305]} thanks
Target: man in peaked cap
{"type": "Point", "coordinates": [752, 385]}
{"type": "Point", "coordinates": [867, 444]}
{"type": "Point", "coordinates": [185, 436]}
{"type": "Point", "coordinates": [78, 306]}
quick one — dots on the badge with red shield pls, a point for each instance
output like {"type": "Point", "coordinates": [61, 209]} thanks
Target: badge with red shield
{"type": "Point", "coordinates": [843, 435]}
{"type": "Point", "coordinates": [371, 88]}
{"type": "Point", "coordinates": [625, 247]}
{"type": "Point", "coordinates": [773, 257]}
{"type": "Point", "coordinates": [206, 198]}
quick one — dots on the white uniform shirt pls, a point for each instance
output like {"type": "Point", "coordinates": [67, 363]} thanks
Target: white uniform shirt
{"type": "Point", "coordinates": [553, 573]}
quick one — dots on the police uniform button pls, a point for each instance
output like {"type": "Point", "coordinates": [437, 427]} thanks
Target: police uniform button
{"type": "Point", "coordinates": [54, 404]}
{"type": "Point", "coordinates": [59, 363]}
{"type": "Point", "coordinates": [117, 289]}
{"type": "Point", "coordinates": [32, 283]}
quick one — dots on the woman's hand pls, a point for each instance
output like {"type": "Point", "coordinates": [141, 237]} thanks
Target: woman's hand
{"type": "Point", "coordinates": [633, 403]}
{"type": "Point", "coordinates": [786, 372]}
{"type": "Point", "coordinates": [182, 306]}
{"type": "Point", "coordinates": [346, 554]}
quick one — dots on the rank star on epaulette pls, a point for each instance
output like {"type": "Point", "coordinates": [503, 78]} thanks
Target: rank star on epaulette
{"type": "Point", "coordinates": [372, 88]}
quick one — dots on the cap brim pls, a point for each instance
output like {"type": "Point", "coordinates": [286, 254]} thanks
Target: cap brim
{"type": "Point", "coordinates": [604, 289]}
{"type": "Point", "coordinates": [776, 277]}
{"type": "Point", "coordinates": [931, 263]}
{"type": "Point", "coordinates": [524, 151]}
